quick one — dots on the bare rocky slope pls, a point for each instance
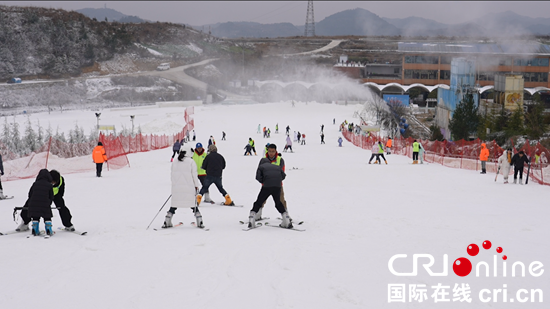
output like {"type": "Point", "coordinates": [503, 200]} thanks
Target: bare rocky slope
{"type": "Point", "coordinates": [50, 43]}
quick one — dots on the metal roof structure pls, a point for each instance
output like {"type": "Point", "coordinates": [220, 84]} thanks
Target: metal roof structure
{"type": "Point", "coordinates": [478, 48]}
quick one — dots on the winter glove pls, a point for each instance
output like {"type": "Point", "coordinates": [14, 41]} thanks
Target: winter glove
{"type": "Point", "coordinates": [2, 173]}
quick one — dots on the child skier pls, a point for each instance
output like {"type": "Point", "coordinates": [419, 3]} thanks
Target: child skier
{"type": "Point", "coordinates": [40, 201]}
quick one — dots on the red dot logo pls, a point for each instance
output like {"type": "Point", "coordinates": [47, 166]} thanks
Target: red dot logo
{"type": "Point", "coordinates": [462, 267]}
{"type": "Point", "coordinates": [473, 249]}
{"type": "Point", "coordinates": [499, 250]}
{"type": "Point", "coordinates": [504, 257]}
{"type": "Point", "coordinates": [486, 245]}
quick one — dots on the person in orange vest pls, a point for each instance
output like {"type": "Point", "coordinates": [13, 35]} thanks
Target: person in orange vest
{"type": "Point", "coordinates": [388, 146]}
{"type": "Point", "coordinates": [483, 157]}
{"type": "Point", "coordinates": [99, 156]}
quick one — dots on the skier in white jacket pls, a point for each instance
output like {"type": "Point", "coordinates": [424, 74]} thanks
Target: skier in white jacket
{"type": "Point", "coordinates": [375, 153]}
{"type": "Point", "coordinates": [185, 183]}
{"type": "Point", "coordinates": [505, 163]}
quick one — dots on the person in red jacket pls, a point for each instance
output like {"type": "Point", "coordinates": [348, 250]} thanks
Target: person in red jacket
{"type": "Point", "coordinates": [99, 156]}
{"type": "Point", "coordinates": [483, 157]}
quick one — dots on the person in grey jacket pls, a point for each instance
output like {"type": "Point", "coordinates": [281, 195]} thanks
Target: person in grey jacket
{"type": "Point", "coordinates": [176, 149]}
{"type": "Point", "coordinates": [270, 174]}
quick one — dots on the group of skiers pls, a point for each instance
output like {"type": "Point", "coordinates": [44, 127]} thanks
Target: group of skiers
{"type": "Point", "coordinates": [188, 171]}
{"type": "Point", "coordinates": [505, 161]}
{"type": "Point", "coordinates": [48, 187]}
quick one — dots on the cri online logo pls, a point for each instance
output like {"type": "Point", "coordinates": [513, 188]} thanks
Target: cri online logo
{"type": "Point", "coordinates": [462, 266]}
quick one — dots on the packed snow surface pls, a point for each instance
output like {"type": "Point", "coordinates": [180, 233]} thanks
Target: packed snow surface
{"type": "Point", "coordinates": [357, 216]}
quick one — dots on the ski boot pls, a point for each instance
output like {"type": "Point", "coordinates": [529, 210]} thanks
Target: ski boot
{"type": "Point", "coordinates": [172, 160]}
{"type": "Point", "coordinates": [287, 223]}
{"type": "Point", "coordinates": [207, 198]}
{"type": "Point", "coordinates": [386, 162]}
{"type": "Point", "coordinates": [515, 180]}
{"type": "Point", "coordinates": [49, 230]}
{"type": "Point", "coordinates": [505, 180]}
{"type": "Point", "coordinates": [258, 215]}
{"type": "Point", "coordinates": [168, 220]}
{"type": "Point", "coordinates": [228, 201]}
{"type": "Point", "coordinates": [199, 198]}
{"type": "Point", "coordinates": [35, 228]}
{"type": "Point", "coordinates": [70, 228]}
{"type": "Point", "coordinates": [252, 220]}
{"type": "Point", "coordinates": [2, 196]}
{"type": "Point", "coordinates": [22, 227]}
{"type": "Point", "coordinates": [521, 181]}
{"type": "Point", "coordinates": [198, 217]}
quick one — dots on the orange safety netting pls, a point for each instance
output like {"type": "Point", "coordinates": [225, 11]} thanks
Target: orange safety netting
{"type": "Point", "coordinates": [461, 154]}
{"type": "Point", "coordinates": [75, 158]}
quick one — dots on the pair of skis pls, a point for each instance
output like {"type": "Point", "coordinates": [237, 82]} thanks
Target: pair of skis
{"type": "Point", "coordinates": [258, 224]}
{"type": "Point", "coordinates": [43, 232]}
{"type": "Point", "coordinates": [223, 204]}
{"type": "Point", "coordinates": [181, 224]}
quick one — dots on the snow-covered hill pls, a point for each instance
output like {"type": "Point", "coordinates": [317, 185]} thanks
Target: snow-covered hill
{"type": "Point", "coordinates": [357, 216]}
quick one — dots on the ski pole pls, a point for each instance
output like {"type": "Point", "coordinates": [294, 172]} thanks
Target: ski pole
{"type": "Point", "coordinates": [159, 212]}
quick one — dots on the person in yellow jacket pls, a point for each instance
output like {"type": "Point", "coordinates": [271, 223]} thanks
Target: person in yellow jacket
{"type": "Point", "coordinates": [198, 156]}
{"type": "Point", "coordinates": [483, 157]}
{"type": "Point", "coordinates": [253, 145]}
{"type": "Point", "coordinates": [416, 150]}
{"type": "Point", "coordinates": [99, 156]}
{"type": "Point", "coordinates": [381, 153]}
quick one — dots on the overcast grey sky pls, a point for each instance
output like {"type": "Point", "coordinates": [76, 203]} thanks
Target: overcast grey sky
{"type": "Point", "coordinates": [199, 13]}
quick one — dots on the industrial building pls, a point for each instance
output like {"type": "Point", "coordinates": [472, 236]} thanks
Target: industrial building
{"type": "Point", "coordinates": [428, 65]}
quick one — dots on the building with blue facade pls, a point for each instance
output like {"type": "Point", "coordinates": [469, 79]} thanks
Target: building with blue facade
{"type": "Point", "coordinates": [462, 82]}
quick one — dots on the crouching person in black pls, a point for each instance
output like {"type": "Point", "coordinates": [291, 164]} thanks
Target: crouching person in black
{"type": "Point", "coordinates": [58, 191]}
{"type": "Point", "coordinates": [40, 201]}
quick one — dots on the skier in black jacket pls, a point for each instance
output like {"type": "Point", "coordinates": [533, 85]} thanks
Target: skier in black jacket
{"type": "Point", "coordinates": [40, 201]}
{"type": "Point", "coordinates": [270, 174]}
{"type": "Point", "coordinates": [518, 161]}
{"type": "Point", "coordinates": [58, 192]}
{"type": "Point", "coordinates": [214, 163]}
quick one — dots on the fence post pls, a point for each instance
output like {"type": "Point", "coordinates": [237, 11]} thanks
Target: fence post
{"type": "Point", "coordinates": [461, 153]}
{"type": "Point", "coordinates": [48, 153]}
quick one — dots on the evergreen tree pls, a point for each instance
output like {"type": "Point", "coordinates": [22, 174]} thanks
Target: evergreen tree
{"type": "Point", "coordinates": [535, 125]}
{"type": "Point", "coordinates": [465, 119]}
{"type": "Point", "coordinates": [515, 123]}
{"type": "Point", "coordinates": [49, 133]}
{"type": "Point", "coordinates": [501, 121]}
{"type": "Point", "coordinates": [60, 136]}
{"type": "Point", "coordinates": [6, 135]}
{"type": "Point", "coordinates": [40, 135]}
{"type": "Point", "coordinates": [435, 131]}
{"type": "Point", "coordinates": [16, 138]}
{"type": "Point", "coordinates": [94, 134]}
{"type": "Point", "coordinates": [30, 140]}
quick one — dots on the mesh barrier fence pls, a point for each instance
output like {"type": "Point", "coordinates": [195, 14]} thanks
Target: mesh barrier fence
{"type": "Point", "coordinates": [461, 154]}
{"type": "Point", "coordinates": [76, 157]}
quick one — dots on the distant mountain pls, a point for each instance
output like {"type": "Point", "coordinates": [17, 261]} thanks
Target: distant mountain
{"type": "Point", "coordinates": [417, 26]}
{"type": "Point", "coordinates": [355, 22]}
{"type": "Point", "coordinates": [110, 14]}
{"type": "Point", "coordinates": [510, 23]}
{"type": "Point", "coordinates": [252, 30]}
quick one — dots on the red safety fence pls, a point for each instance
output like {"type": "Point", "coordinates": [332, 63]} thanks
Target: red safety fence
{"type": "Point", "coordinates": [76, 158]}
{"type": "Point", "coordinates": [461, 154]}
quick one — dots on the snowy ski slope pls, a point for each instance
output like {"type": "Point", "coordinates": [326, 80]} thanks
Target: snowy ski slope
{"type": "Point", "coordinates": [357, 217]}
